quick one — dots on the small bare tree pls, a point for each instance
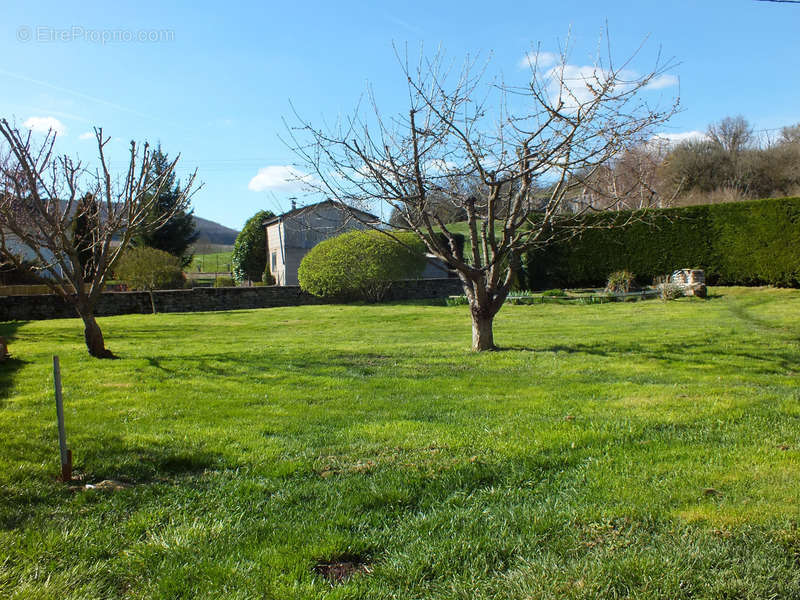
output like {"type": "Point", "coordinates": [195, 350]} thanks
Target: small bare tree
{"type": "Point", "coordinates": [42, 195]}
{"type": "Point", "coordinates": [532, 149]}
{"type": "Point", "coordinates": [634, 180]}
{"type": "Point", "coordinates": [732, 134]}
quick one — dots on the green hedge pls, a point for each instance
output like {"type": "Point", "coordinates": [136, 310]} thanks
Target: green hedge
{"type": "Point", "coordinates": [744, 243]}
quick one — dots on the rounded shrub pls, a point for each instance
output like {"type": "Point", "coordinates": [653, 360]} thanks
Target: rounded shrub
{"type": "Point", "coordinates": [145, 268]}
{"type": "Point", "coordinates": [360, 265]}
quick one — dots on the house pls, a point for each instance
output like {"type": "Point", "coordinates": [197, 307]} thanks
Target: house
{"type": "Point", "coordinates": [12, 244]}
{"type": "Point", "coordinates": [291, 235]}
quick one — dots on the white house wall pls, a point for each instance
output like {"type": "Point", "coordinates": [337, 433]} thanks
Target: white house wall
{"type": "Point", "coordinates": [275, 253]}
{"type": "Point", "coordinates": [293, 236]}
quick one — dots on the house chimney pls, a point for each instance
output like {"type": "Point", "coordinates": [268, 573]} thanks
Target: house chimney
{"type": "Point", "coordinates": [294, 204]}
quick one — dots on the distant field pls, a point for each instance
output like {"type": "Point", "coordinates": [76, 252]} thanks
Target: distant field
{"type": "Point", "coordinates": [214, 259]}
{"type": "Point", "coordinates": [627, 450]}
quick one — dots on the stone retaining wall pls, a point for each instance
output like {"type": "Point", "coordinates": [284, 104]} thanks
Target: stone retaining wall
{"type": "Point", "coordinates": [29, 308]}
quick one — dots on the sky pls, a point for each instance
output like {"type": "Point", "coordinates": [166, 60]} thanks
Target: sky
{"type": "Point", "coordinates": [217, 82]}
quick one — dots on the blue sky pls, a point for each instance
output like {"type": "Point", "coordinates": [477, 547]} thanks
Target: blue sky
{"type": "Point", "coordinates": [214, 81]}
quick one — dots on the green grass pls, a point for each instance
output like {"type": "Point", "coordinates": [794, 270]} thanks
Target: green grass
{"type": "Point", "coordinates": [642, 450]}
{"type": "Point", "coordinates": [212, 262]}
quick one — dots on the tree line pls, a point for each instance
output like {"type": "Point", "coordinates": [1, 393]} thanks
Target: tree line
{"type": "Point", "coordinates": [732, 163]}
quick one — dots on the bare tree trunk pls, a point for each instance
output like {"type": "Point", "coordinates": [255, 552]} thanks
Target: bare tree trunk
{"type": "Point", "coordinates": [482, 333]}
{"type": "Point", "coordinates": [94, 336]}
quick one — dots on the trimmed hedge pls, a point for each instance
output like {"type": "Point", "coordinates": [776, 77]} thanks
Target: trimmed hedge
{"type": "Point", "coordinates": [743, 243]}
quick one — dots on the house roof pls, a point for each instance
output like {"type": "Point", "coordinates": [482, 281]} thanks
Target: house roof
{"type": "Point", "coordinates": [359, 214]}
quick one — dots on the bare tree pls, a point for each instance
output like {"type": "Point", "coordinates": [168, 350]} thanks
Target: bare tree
{"type": "Point", "coordinates": [531, 149]}
{"type": "Point", "coordinates": [790, 134]}
{"type": "Point", "coordinates": [631, 181]}
{"type": "Point", "coordinates": [734, 134]}
{"type": "Point", "coordinates": [41, 196]}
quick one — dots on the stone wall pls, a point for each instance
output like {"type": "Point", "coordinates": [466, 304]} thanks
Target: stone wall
{"type": "Point", "coordinates": [28, 308]}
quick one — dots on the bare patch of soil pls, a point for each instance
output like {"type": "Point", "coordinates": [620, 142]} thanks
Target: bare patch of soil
{"type": "Point", "coordinates": [342, 568]}
{"type": "Point", "coordinates": [105, 485]}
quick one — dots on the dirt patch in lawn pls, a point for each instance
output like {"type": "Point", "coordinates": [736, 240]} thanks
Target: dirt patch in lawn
{"type": "Point", "coordinates": [341, 569]}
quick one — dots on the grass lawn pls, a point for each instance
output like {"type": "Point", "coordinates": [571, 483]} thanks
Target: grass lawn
{"type": "Point", "coordinates": [642, 450]}
{"type": "Point", "coordinates": [210, 263]}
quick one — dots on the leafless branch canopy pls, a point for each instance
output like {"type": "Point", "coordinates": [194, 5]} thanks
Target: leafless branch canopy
{"type": "Point", "coordinates": [42, 194]}
{"type": "Point", "coordinates": [516, 160]}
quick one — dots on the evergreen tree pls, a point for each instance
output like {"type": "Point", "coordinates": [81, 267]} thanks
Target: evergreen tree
{"type": "Point", "coordinates": [84, 229]}
{"type": "Point", "coordinates": [178, 234]}
{"type": "Point", "coordinates": [249, 259]}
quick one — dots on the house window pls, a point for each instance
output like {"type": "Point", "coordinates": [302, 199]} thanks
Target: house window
{"type": "Point", "coordinates": [274, 261]}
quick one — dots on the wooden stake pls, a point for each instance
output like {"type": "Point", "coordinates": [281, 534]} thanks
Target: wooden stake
{"type": "Point", "coordinates": [66, 454]}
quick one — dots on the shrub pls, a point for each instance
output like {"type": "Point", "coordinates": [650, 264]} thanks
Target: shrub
{"type": "Point", "coordinates": [456, 301]}
{"type": "Point", "coordinates": [149, 269]}
{"type": "Point", "coordinates": [555, 293]}
{"type": "Point", "coordinates": [360, 265]}
{"type": "Point", "coordinates": [221, 282]}
{"type": "Point", "coordinates": [619, 282]}
{"type": "Point", "coordinates": [669, 290]}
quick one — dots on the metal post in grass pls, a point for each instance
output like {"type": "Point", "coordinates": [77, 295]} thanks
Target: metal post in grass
{"type": "Point", "coordinates": [66, 453]}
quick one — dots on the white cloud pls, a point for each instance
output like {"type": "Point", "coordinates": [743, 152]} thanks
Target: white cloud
{"type": "Point", "coordinates": [86, 136]}
{"type": "Point", "coordinates": [661, 82]}
{"type": "Point", "coordinates": [542, 60]}
{"type": "Point", "coordinates": [684, 136]}
{"type": "Point", "coordinates": [439, 166]}
{"type": "Point", "coordinates": [578, 83]}
{"type": "Point", "coordinates": [278, 177]}
{"type": "Point", "coordinates": [45, 124]}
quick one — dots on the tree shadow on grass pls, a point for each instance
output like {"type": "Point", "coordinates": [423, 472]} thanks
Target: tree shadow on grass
{"type": "Point", "coordinates": [515, 349]}
{"type": "Point", "coordinates": [113, 459]}
{"type": "Point", "coordinates": [12, 364]}
{"type": "Point", "coordinates": [17, 506]}
{"type": "Point", "coordinates": [8, 370]}
{"type": "Point", "coordinates": [698, 353]}
{"type": "Point", "coordinates": [141, 464]}
{"type": "Point", "coordinates": [156, 363]}
{"type": "Point", "coordinates": [769, 361]}
{"type": "Point", "coordinates": [361, 364]}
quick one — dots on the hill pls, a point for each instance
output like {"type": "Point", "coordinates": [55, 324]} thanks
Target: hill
{"type": "Point", "coordinates": [211, 232]}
